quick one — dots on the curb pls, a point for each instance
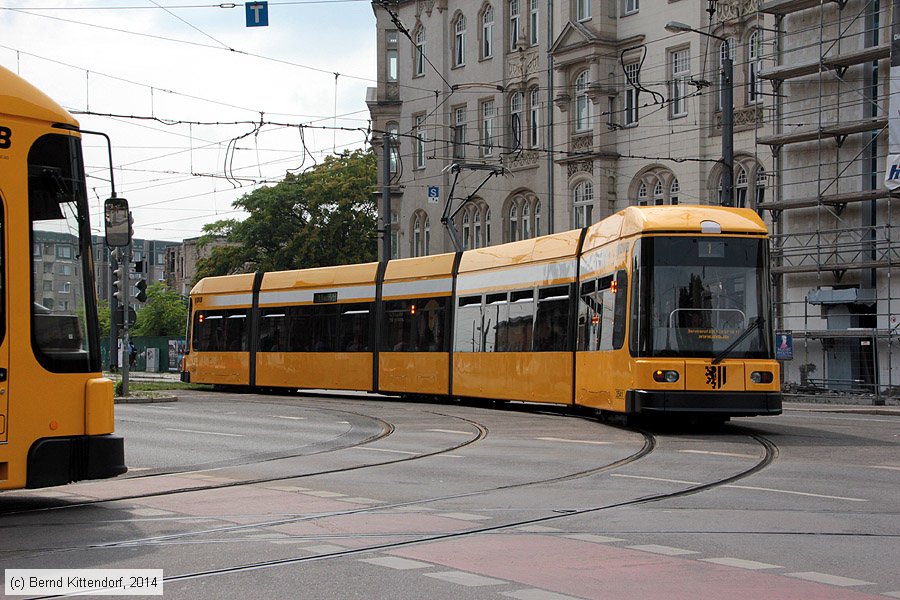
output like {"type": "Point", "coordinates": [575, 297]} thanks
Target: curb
{"type": "Point", "coordinates": [144, 399]}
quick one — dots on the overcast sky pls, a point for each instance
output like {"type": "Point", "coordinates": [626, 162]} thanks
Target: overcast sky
{"type": "Point", "coordinates": [167, 69]}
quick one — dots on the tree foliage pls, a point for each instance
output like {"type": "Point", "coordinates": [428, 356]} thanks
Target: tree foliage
{"type": "Point", "coordinates": [164, 314]}
{"type": "Point", "coordinates": [325, 216]}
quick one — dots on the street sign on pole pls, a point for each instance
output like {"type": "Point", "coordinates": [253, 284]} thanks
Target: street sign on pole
{"type": "Point", "coordinates": [257, 14]}
{"type": "Point", "coordinates": [434, 194]}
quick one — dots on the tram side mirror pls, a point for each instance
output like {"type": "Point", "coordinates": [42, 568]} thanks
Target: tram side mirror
{"type": "Point", "coordinates": [118, 222]}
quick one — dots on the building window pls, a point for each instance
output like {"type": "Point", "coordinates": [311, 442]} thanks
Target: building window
{"type": "Point", "coordinates": [459, 132]}
{"type": "Point", "coordinates": [632, 6]}
{"type": "Point", "coordinates": [419, 54]}
{"type": "Point", "coordinates": [658, 198]}
{"type": "Point", "coordinates": [582, 102]}
{"type": "Point", "coordinates": [487, 32]}
{"type": "Point", "coordinates": [726, 50]}
{"type": "Point", "coordinates": [526, 221]}
{"type": "Point", "coordinates": [419, 132]}
{"type": "Point", "coordinates": [417, 236]}
{"type": "Point", "coordinates": [427, 228]}
{"type": "Point", "coordinates": [537, 219]}
{"type": "Point", "coordinates": [476, 237]}
{"type": "Point", "coordinates": [583, 203]}
{"type": "Point", "coordinates": [631, 93]}
{"type": "Point", "coordinates": [35, 249]}
{"type": "Point", "coordinates": [63, 251]}
{"type": "Point", "coordinates": [740, 188]}
{"type": "Point", "coordinates": [395, 234]}
{"type": "Point", "coordinates": [642, 194]}
{"type": "Point", "coordinates": [760, 191]}
{"type": "Point", "coordinates": [391, 39]}
{"type": "Point", "coordinates": [679, 63]}
{"type": "Point", "coordinates": [459, 58]}
{"type": "Point", "coordinates": [516, 107]}
{"type": "Point", "coordinates": [514, 24]}
{"type": "Point", "coordinates": [582, 10]}
{"type": "Point", "coordinates": [533, 23]}
{"type": "Point", "coordinates": [467, 232]}
{"type": "Point", "coordinates": [535, 121]}
{"type": "Point", "coordinates": [487, 127]}
{"type": "Point", "coordinates": [487, 227]}
{"type": "Point", "coordinates": [513, 222]}
{"type": "Point", "coordinates": [754, 66]}
{"type": "Point", "coordinates": [674, 191]}
{"type": "Point", "coordinates": [393, 140]}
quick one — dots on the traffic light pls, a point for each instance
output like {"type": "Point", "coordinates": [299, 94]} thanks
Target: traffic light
{"type": "Point", "coordinates": [119, 275]}
{"type": "Point", "coordinates": [141, 294]}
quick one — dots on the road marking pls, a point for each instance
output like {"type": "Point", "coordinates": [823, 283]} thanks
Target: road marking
{"type": "Point", "coordinates": [762, 489]}
{"type": "Point", "coordinates": [162, 407]}
{"type": "Point", "coordinates": [883, 467]}
{"type": "Point", "coordinates": [590, 537]}
{"type": "Point", "coordinates": [386, 450]}
{"type": "Point", "coordinates": [466, 579]}
{"type": "Point", "coordinates": [393, 562]}
{"type": "Point", "coordinates": [288, 417]}
{"type": "Point", "coordinates": [137, 469]}
{"type": "Point", "coordinates": [360, 500]}
{"type": "Point", "coordinates": [536, 594]}
{"type": "Point", "coordinates": [343, 422]}
{"type": "Point", "coordinates": [287, 488]}
{"type": "Point", "coordinates": [745, 487]}
{"type": "Point", "coordinates": [150, 512]}
{"type": "Point", "coordinates": [741, 564]}
{"type": "Point", "coordinates": [539, 529]}
{"type": "Point", "coordinates": [450, 431]}
{"type": "Point", "coordinates": [555, 439]}
{"type": "Point", "coordinates": [325, 494]}
{"type": "Point", "coordinates": [205, 432]}
{"type": "Point", "coordinates": [324, 549]}
{"type": "Point", "coordinates": [829, 579]}
{"type": "Point", "coordinates": [892, 594]}
{"type": "Point", "coordinates": [462, 516]}
{"type": "Point", "coordinates": [719, 453]}
{"type": "Point", "coordinates": [657, 549]}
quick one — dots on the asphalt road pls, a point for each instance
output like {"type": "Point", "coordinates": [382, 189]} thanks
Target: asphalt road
{"type": "Point", "coordinates": [236, 496]}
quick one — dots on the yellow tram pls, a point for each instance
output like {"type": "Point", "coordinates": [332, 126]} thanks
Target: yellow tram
{"type": "Point", "coordinates": [651, 310]}
{"type": "Point", "coordinates": [56, 409]}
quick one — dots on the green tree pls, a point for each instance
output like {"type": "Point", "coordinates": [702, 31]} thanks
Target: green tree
{"type": "Point", "coordinates": [103, 314]}
{"type": "Point", "coordinates": [164, 314]}
{"type": "Point", "coordinates": [325, 216]}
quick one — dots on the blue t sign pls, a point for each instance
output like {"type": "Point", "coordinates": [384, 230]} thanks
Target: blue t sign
{"type": "Point", "coordinates": [257, 14]}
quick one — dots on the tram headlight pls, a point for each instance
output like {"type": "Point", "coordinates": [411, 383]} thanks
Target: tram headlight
{"type": "Point", "coordinates": [761, 377]}
{"type": "Point", "coordinates": [665, 376]}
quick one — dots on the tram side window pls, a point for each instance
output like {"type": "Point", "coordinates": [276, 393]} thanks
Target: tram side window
{"type": "Point", "coordinates": [273, 330]}
{"type": "Point", "coordinates": [620, 308]}
{"type": "Point", "coordinates": [469, 325]}
{"type": "Point", "coordinates": [496, 320]}
{"type": "Point", "coordinates": [415, 325]}
{"type": "Point", "coordinates": [590, 316]}
{"type": "Point", "coordinates": [312, 328]}
{"type": "Point", "coordinates": [551, 320]}
{"type": "Point", "coordinates": [354, 325]}
{"type": "Point", "coordinates": [520, 327]}
{"type": "Point", "coordinates": [220, 331]}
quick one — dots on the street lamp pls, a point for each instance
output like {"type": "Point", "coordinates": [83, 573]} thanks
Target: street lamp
{"type": "Point", "coordinates": [727, 111]}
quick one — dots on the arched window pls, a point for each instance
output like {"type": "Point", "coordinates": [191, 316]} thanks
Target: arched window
{"type": "Point", "coordinates": [476, 237]}
{"type": "Point", "coordinates": [537, 219]}
{"type": "Point", "coordinates": [467, 237]}
{"type": "Point", "coordinates": [459, 57]}
{"type": "Point", "coordinates": [740, 188]}
{"type": "Point", "coordinates": [760, 191]}
{"type": "Point", "coordinates": [487, 32]}
{"type": "Point", "coordinates": [417, 237]}
{"type": "Point", "coordinates": [658, 198]}
{"type": "Point", "coordinates": [516, 115]}
{"type": "Point", "coordinates": [513, 222]}
{"type": "Point", "coordinates": [487, 227]}
{"type": "Point", "coordinates": [583, 203]}
{"type": "Point", "coordinates": [526, 221]}
{"type": "Point", "coordinates": [582, 102]}
{"type": "Point", "coordinates": [419, 53]}
{"type": "Point", "coordinates": [642, 194]}
{"type": "Point", "coordinates": [427, 239]}
{"type": "Point", "coordinates": [754, 66]}
{"type": "Point", "coordinates": [515, 24]}
{"type": "Point", "coordinates": [674, 191]}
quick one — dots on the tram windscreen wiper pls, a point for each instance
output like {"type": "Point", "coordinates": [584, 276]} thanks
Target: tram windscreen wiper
{"type": "Point", "coordinates": [757, 324]}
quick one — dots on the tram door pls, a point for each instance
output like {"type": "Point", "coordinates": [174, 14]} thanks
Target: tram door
{"type": "Point", "coordinates": [4, 338]}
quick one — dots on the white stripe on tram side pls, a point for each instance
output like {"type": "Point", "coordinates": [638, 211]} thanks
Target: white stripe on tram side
{"type": "Point", "coordinates": [527, 276]}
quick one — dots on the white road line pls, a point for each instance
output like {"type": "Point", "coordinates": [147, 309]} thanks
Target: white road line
{"type": "Point", "coordinates": [892, 594]}
{"type": "Point", "coordinates": [593, 538]}
{"type": "Point", "coordinates": [462, 516]}
{"type": "Point", "coordinates": [205, 432]}
{"type": "Point", "coordinates": [137, 469]}
{"type": "Point", "coordinates": [450, 431]}
{"type": "Point", "coordinates": [360, 500]}
{"type": "Point", "coordinates": [386, 450]}
{"type": "Point", "coordinates": [324, 549]}
{"type": "Point", "coordinates": [829, 579]}
{"type": "Point", "coordinates": [150, 512]}
{"type": "Point", "coordinates": [161, 407]}
{"type": "Point", "coordinates": [745, 487]}
{"type": "Point", "coordinates": [657, 549]}
{"type": "Point", "coordinates": [288, 417]}
{"type": "Point", "coordinates": [536, 594]}
{"type": "Point", "coordinates": [719, 453]}
{"type": "Point", "coordinates": [394, 562]}
{"type": "Point", "coordinates": [741, 564]}
{"type": "Point", "coordinates": [889, 467]}
{"type": "Point", "coordinates": [555, 439]}
{"type": "Point", "coordinates": [325, 494]}
{"type": "Point", "coordinates": [539, 529]}
{"type": "Point", "coordinates": [466, 579]}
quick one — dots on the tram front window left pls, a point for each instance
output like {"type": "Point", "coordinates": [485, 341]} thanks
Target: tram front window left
{"type": "Point", "coordinates": [65, 337]}
{"type": "Point", "coordinates": [695, 295]}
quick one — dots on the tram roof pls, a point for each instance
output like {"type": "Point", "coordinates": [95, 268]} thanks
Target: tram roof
{"type": "Point", "coordinates": [547, 248]}
{"type": "Point", "coordinates": [224, 284]}
{"type": "Point", "coordinates": [420, 267]}
{"type": "Point", "coordinates": [320, 277]}
{"type": "Point", "coordinates": [19, 98]}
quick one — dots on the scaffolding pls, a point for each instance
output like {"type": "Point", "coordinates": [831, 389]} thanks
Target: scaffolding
{"type": "Point", "coordinates": [835, 246]}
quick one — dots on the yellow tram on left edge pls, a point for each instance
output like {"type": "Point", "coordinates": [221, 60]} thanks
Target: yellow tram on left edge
{"type": "Point", "coordinates": [56, 408]}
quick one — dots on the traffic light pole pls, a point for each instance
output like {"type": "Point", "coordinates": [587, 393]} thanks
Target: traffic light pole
{"type": "Point", "coordinates": [126, 337]}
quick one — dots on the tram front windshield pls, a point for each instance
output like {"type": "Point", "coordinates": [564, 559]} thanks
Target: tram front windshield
{"type": "Point", "coordinates": [694, 296]}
